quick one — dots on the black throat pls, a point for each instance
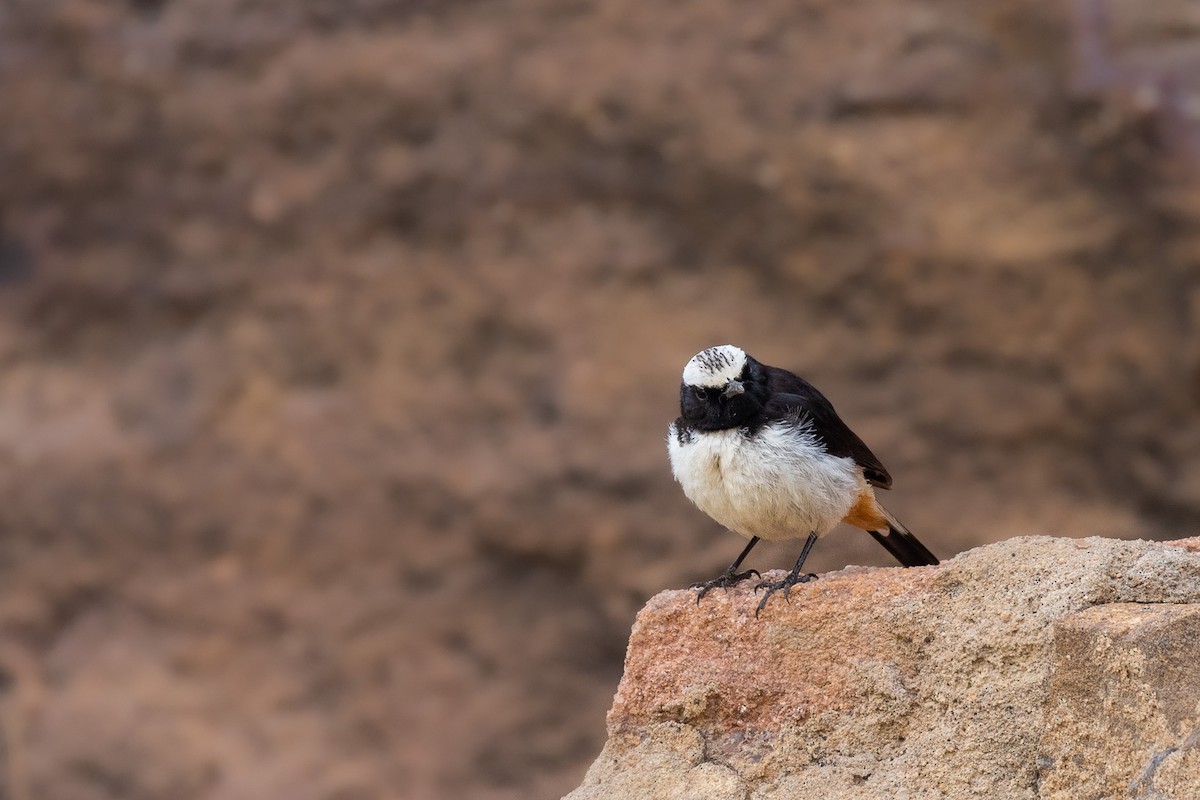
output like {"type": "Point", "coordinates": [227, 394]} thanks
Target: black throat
{"type": "Point", "coordinates": [706, 409]}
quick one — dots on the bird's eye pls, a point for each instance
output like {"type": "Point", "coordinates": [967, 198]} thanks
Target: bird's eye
{"type": "Point", "coordinates": [700, 395]}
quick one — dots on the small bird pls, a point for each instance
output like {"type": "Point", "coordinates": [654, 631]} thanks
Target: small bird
{"type": "Point", "coordinates": [762, 452]}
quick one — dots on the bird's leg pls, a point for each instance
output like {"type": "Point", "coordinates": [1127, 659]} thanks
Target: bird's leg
{"type": "Point", "coordinates": [730, 576]}
{"type": "Point", "coordinates": [791, 580]}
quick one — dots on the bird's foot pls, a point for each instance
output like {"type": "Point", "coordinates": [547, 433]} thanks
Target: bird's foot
{"type": "Point", "coordinates": [724, 581]}
{"type": "Point", "coordinates": [784, 585]}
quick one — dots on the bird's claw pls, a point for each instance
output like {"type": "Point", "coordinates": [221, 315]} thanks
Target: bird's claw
{"type": "Point", "coordinates": [723, 581]}
{"type": "Point", "coordinates": [784, 585]}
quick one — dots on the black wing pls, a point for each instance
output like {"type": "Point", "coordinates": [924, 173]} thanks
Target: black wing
{"type": "Point", "coordinates": [791, 394]}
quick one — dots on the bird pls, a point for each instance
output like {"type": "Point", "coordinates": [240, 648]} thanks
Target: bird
{"type": "Point", "coordinates": [765, 454]}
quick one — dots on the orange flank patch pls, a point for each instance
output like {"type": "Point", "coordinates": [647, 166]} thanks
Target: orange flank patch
{"type": "Point", "coordinates": [865, 513]}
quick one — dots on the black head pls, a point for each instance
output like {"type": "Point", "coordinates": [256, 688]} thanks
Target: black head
{"type": "Point", "coordinates": [722, 388]}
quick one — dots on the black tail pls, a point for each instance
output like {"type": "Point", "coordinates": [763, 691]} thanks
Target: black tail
{"type": "Point", "coordinates": [903, 545]}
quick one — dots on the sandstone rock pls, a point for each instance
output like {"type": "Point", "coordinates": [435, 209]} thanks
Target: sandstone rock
{"type": "Point", "coordinates": [1032, 668]}
{"type": "Point", "coordinates": [1124, 682]}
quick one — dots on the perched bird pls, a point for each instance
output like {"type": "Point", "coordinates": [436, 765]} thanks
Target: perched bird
{"type": "Point", "coordinates": [762, 452]}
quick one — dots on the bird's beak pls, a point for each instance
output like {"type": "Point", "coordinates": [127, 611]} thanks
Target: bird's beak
{"type": "Point", "coordinates": [734, 388]}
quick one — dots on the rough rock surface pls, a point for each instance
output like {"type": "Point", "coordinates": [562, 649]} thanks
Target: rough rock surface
{"type": "Point", "coordinates": [1033, 668]}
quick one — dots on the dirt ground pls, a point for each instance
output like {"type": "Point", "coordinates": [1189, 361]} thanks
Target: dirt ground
{"type": "Point", "coordinates": [338, 341]}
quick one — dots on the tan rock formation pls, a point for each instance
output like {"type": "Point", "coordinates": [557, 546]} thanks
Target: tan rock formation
{"type": "Point", "coordinates": [1032, 668]}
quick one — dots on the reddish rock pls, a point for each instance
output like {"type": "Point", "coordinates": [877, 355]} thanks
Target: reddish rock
{"type": "Point", "coordinates": [754, 675]}
{"type": "Point", "coordinates": [1028, 669]}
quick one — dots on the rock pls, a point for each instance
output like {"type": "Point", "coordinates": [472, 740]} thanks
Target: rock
{"type": "Point", "coordinates": [1033, 668]}
{"type": "Point", "coordinates": [1125, 682]}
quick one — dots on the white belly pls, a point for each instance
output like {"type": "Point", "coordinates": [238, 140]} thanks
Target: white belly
{"type": "Point", "coordinates": [777, 484]}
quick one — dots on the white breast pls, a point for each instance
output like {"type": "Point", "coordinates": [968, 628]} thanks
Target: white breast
{"type": "Point", "coordinates": [776, 484]}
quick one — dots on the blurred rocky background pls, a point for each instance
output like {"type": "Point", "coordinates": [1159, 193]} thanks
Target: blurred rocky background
{"type": "Point", "coordinates": [338, 341]}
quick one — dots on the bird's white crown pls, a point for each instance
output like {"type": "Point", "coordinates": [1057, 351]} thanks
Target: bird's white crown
{"type": "Point", "coordinates": [714, 367]}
